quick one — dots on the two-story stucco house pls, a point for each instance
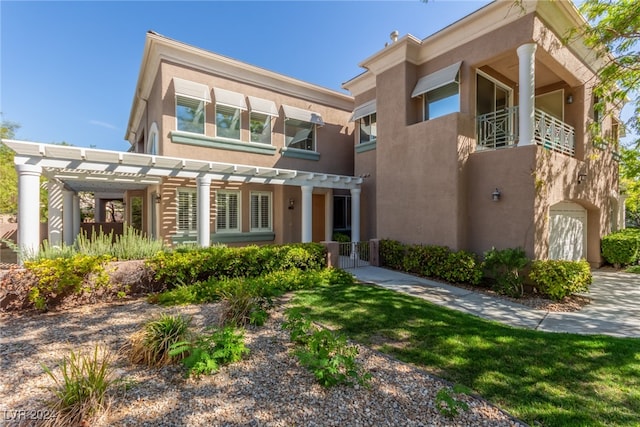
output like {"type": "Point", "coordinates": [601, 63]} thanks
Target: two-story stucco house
{"type": "Point", "coordinates": [474, 137]}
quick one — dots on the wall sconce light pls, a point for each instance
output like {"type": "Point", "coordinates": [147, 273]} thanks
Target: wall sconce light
{"type": "Point", "coordinates": [582, 178]}
{"type": "Point", "coordinates": [495, 196]}
{"type": "Point", "coordinates": [570, 99]}
{"type": "Point", "coordinates": [291, 204]}
{"type": "Point", "coordinates": [158, 198]}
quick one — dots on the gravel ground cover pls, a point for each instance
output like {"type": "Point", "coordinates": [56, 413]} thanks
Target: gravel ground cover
{"type": "Point", "coordinates": [268, 388]}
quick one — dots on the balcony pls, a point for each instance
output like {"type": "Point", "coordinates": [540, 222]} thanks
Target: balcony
{"type": "Point", "coordinates": [500, 130]}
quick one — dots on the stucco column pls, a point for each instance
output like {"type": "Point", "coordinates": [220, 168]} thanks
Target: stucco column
{"type": "Point", "coordinates": [67, 217]}
{"type": "Point", "coordinates": [355, 214]}
{"type": "Point", "coordinates": [526, 92]}
{"type": "Point", "coordinates": [204, 211]}
{"type": "Point", "coordinates": [54, 202]}
{"type": "Point", "coordinates": [307, 213]}
{"type": "Point", "coordinates": [28, 210]}
{"type": "Point", "coordinates": [98, 210]}
{"type": "Point", "coordinates": [76, 216]}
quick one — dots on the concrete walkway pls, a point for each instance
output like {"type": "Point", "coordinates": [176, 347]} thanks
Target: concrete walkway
{"type": "Point", "coordinates": [614, 310]}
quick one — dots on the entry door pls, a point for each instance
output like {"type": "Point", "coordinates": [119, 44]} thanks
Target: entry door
{"type": "Point", "coordinates": [318, 218]}
{"type": "Point", "coordinates": [567, 232]}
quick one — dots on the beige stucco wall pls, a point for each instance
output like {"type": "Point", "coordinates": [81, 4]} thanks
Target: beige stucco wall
{"type": "Point", "coordinates": [334, 139]}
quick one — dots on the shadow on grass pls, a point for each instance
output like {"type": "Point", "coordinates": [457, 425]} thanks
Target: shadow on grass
{"type": "Point", "coordinates": [546, 378]}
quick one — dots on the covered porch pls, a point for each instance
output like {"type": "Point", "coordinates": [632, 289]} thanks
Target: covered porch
{"type": "Point", "coordinates": [70, 170]}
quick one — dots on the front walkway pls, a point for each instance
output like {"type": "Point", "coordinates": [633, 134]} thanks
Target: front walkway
{"type": "Point", "coordinates": [614, 310]}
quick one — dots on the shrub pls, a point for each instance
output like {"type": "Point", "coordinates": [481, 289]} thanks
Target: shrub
{"type": "Point", "coordinates": [462, 267]}
{"type": "Point", "coordinates": [505, 266]}
{"type": "Point", "coordinates": [207, 352]}
{"type": "Point", "coordinates": [392, 254]}
{"type": "Point", "coordinates": [81, 391]}
{"type": "Point", "coordinates": [245, 301]}
{"type": "Point", "coordinates": [340, 237]}
{"type": "Point", "coordinates": [151, 345]}
{"type": "Point", "coordinates": [557, 279]}
{"type": "Point", "coordinates": [61, 277]}
{"type": "Point", "coordinates": [622, 247]}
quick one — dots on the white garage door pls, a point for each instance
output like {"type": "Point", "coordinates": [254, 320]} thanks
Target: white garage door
{"type": "Point", "coordinates": [567, 231]}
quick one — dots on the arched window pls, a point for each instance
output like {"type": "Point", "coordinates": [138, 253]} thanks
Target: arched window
{"type": "Point", "coordinates": [152, 142]}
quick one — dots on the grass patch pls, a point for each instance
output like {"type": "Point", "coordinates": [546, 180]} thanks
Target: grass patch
{"type": "Point", "coordinates": [542, 378]}
{"type": "Point", "coordinates": [633, 269]}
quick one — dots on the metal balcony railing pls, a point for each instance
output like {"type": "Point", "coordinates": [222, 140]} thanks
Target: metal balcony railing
{"type": "Point", "coordinates": [500, 130]}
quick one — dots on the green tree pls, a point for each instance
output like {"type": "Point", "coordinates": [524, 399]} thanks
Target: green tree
{"type": "Point", "coordinates": [614, 35]}
{"type": "Point", "coordinates": [8, 176]}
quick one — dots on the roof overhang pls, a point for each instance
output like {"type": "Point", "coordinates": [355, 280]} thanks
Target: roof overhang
{"type": "Point", "coordinates": [88, 169]}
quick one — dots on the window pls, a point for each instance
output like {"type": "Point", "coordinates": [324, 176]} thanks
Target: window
{"type": "Point", "coordinates": [260, 211]}
{"type": "Point", "coordinates": [342, 213]}
{"type": "Point", "coordinates": [441, 101]}
{"type": "Point", "coordinates": [152, 147]}
{"type": "Point", "coordinates": [228, 121]}
{"type": "Point", "coordinates": [187, 210]}
{"type": "Point", "coordinates": [190, 114]}
{"type": "Point", "coordinates": [260, 126]}
{"type": "Point", "coordinates": [227, 211]}
{"type": "Point", "coordinates": [368, 128]}
{"type": "Point", "coordinates": [598, 109]}
{"type": "Point", "coordinates": [299, 134]}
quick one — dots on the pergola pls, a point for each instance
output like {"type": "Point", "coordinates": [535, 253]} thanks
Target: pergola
{"type": "Point", "coordinates": [72, 169]}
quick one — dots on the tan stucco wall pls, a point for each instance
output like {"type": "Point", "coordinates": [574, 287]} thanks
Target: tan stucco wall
{"type": "Point", "coordinates": [334, 139]}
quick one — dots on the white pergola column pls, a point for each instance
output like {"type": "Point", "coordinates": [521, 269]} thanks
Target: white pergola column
{"type": "Point", "coordinates": [307, 213]}
{"type": "Point", "coordinates": [67, 217]}
{"type": "Point", "coordinates": [54, 202]}
{"type": "Point", "coordinates": [28, 210]}
{"type": "Point", "coordinates": [355, 214]}
{"type": "Point", "coordinates": [526, 92]}
{"type": "Point", "coordinates": [204, 211]}
{"type": "Point", "coordinates": [76, 216]}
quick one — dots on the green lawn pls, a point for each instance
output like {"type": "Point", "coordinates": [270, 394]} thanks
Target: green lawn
{"type": "Point", "coordinates": [542, 378]}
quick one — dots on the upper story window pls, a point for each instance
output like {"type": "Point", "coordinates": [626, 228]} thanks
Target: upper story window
{"type": "Point", "coordinates": [261, 112]}
{"type": "Point", "coordinates": [228, 122]}
{"type": "Point", "coordinates": [229, 108]}
{"type": "Point", "coordinates": [227, 211]}
{"type": "Point", "coordinates": [440, 92]}
{"type": "Point", "coordinates": [191, 99]}
{"type": "Point", "coordinates": [365, 114]}
{"type": "Point", "coordinates": [300, 128]}
{"type": "Point", "coordinates": [190, 114]}
{"type": "Point", "coordinates": [368, 128]}
{"type": "Point", "coordinates": [152, 145]}
{"type": "Point", "coordinates": [187, 210]}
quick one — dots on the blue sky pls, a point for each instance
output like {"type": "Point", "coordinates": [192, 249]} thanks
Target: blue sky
{"type": "Point", "coordinates": [68, 69]}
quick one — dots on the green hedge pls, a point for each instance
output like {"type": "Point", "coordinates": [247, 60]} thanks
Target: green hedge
{"type": "Point", "coordinates": [190, 265]}
{"type": "Point", "coordinates": [438, 262]}
{"type": "Point", "coordinates": [557, 279]}
{"type": "Point", "coordinates": [622, 247]}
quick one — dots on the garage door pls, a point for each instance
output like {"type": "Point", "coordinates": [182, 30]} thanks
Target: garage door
{"type": "Point", "coordinates": [567, 231]}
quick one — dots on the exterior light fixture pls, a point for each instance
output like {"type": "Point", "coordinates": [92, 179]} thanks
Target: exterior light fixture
{"type": "Point", "coordinates": [495, 196]}
{"type": "Point", "coordinates": [158, 198]}
{"type": "Point", "coordinates": [582, 178]}
{"type": "Point", "coordinates": [291, 204]}
{"type": "Point", "coordinates": [570, 99]}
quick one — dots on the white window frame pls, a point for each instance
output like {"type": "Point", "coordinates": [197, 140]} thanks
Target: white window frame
{"type": "Point", "coordinates": [314, 139]}
{"type": "Point", "coordinates": [258, 210]}
{"type": "Point", "coordinates": [204, 113]}
{"type": "Point", "coordinates": [238, 194]}
{"type": "Point", "coordinates": [238, 112]}
{"type": "Point", "coordinates": [192, 210]}
{"type": "Point", "coordinates": [267, 120]}
{"type": "Point", "coordinates": [373, 126]}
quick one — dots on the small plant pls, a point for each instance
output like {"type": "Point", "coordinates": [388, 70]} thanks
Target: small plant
{"type": "Point", "coordinates": [151, 345]}
{"type": "Point", "coordinates": [325, 353]}
{"type": "Point", "coordinates": [505, 267]}
{"type": "Point", "coordinates": [207, 352]}
{"type": "Point", "coordinates": [447, 403]}
{"type": "Point", "coordinates": [245, 302]}
{"type": "Point", "coordinates": [81, 391]}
